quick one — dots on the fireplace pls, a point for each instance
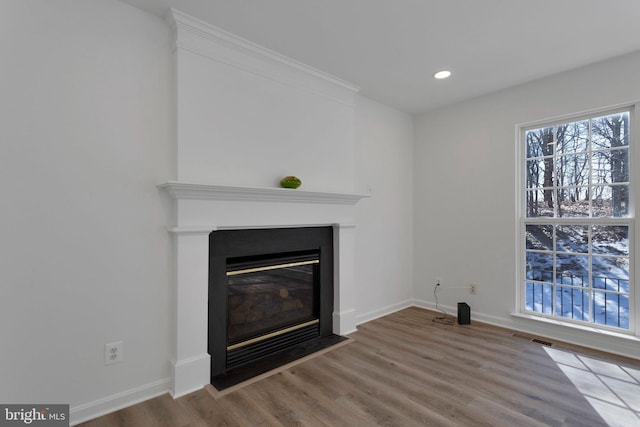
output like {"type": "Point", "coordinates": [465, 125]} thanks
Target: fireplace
{"type": "Point", "coordinates": [270, 299]}
{"type": "Point", "coordinates": [202, 209]}
{"type": "Point", "coordinates": [207, 198]}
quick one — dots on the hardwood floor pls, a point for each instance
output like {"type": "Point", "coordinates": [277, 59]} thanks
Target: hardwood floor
{"type": "Point", "coordinates": [406, 370]}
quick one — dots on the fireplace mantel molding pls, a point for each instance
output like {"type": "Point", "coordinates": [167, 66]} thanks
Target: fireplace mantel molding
{"type": "Point", "coordinates": [183, 190]}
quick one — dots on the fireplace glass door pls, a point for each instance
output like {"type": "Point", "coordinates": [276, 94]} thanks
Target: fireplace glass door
{"type": "Point", "coordinates": [270, 296]}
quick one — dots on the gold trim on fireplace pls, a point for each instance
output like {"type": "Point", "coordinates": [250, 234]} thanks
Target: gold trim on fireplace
{"type": "Point", "coordinates": [271, 267]}
{"type": "Point", "coordinates": [272, 334]}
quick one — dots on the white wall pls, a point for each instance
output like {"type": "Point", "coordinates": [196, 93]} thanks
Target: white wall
{"type": "Point", "coordinates": [465, 196]}
{"type": "Point", "coordinates": [247, 120]}
{"type": "Point", "coordinates": [86, 122]}
{"type": "Point", "coordinates": [384, 164]}
{"type": "Point", "coordinates": [88, 129]}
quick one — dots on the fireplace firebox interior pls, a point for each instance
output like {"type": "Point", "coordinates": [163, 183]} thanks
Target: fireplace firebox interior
{"type": "Point", "coordinates": [270, 294]}
{"type": "Point", "coordinates": [270, 299]}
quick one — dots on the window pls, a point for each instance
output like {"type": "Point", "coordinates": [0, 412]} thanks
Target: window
{"type": "Point", "coordinates": [577, 220]}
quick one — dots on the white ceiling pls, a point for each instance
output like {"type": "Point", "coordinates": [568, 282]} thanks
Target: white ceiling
{"type": "Point", "coordinates": [391, 48]}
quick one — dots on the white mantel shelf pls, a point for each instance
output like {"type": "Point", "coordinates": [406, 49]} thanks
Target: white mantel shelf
{"type": "Point", "coordinates": [183, 190]}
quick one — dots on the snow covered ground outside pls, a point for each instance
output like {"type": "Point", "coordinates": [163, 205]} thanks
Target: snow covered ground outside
{"type": "Point", "coordinates": [591, 286]}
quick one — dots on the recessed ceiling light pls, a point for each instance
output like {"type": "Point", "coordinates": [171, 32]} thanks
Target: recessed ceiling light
{"type": "Point", "coordinates": [442, 74]}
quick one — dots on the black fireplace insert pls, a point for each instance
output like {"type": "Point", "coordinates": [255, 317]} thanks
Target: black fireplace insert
{"type": "Point", "coordinates": [270, 299]}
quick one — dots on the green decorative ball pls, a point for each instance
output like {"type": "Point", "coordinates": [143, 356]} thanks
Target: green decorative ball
{"type": "Point", "coordinates": [290, 182]}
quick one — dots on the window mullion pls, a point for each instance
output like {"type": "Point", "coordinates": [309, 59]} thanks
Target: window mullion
{"type": "Point", "coordinates": [554, 280]}
{"type": "Point", "coordinates": [554, 183]}
{"type": "Point", "coordinates": [592, 316]}
{"type": "Point", "coordinates": [590, 165]}
{"type": "Point", "coordinates": [590, 274]}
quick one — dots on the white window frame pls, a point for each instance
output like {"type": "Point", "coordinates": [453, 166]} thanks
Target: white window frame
{"type": "Point", "coordinates": [522, 220]}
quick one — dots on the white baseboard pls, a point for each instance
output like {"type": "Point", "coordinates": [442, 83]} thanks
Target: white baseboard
{"type": "Point", "coordinates": [88, 411]}
{"type": "Point", "coordinates": [190, 374]}
{"type": "Point", "coordinates": [613, 343]}
{"type": "Point", "coordinates": [372, 315]}
{"type": "Point", "coordinates": [428, 305]}
{"type": "Point", "coordinates": [344, 322]}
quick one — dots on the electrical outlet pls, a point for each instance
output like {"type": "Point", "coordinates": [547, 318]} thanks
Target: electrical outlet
{"type": "Point", "coordinates": [473, 288]}
{"type": "Point", "coordinates": [113, 353]}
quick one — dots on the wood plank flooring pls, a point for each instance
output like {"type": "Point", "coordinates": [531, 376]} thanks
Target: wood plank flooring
{"type": "Point", "coordinates": [406, 370]}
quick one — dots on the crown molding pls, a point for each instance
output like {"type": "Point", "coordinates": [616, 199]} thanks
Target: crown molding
{"type": "Point", "coordinates": [209, 41]}
{"type": "Point", "coordinates": [182, 190]}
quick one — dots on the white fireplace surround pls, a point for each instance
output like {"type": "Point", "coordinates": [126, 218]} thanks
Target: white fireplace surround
{"type": "Point", "coordinates": [245, 115]}
{"type": "Point", "coordinates": [201, 209]}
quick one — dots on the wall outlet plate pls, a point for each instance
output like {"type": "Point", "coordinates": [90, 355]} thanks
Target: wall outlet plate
{"type": "Point", "coordinates": [113, 353]}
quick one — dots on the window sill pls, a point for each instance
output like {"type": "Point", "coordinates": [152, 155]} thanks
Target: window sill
{"type": "Point", "coordinates": [591, 329]}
